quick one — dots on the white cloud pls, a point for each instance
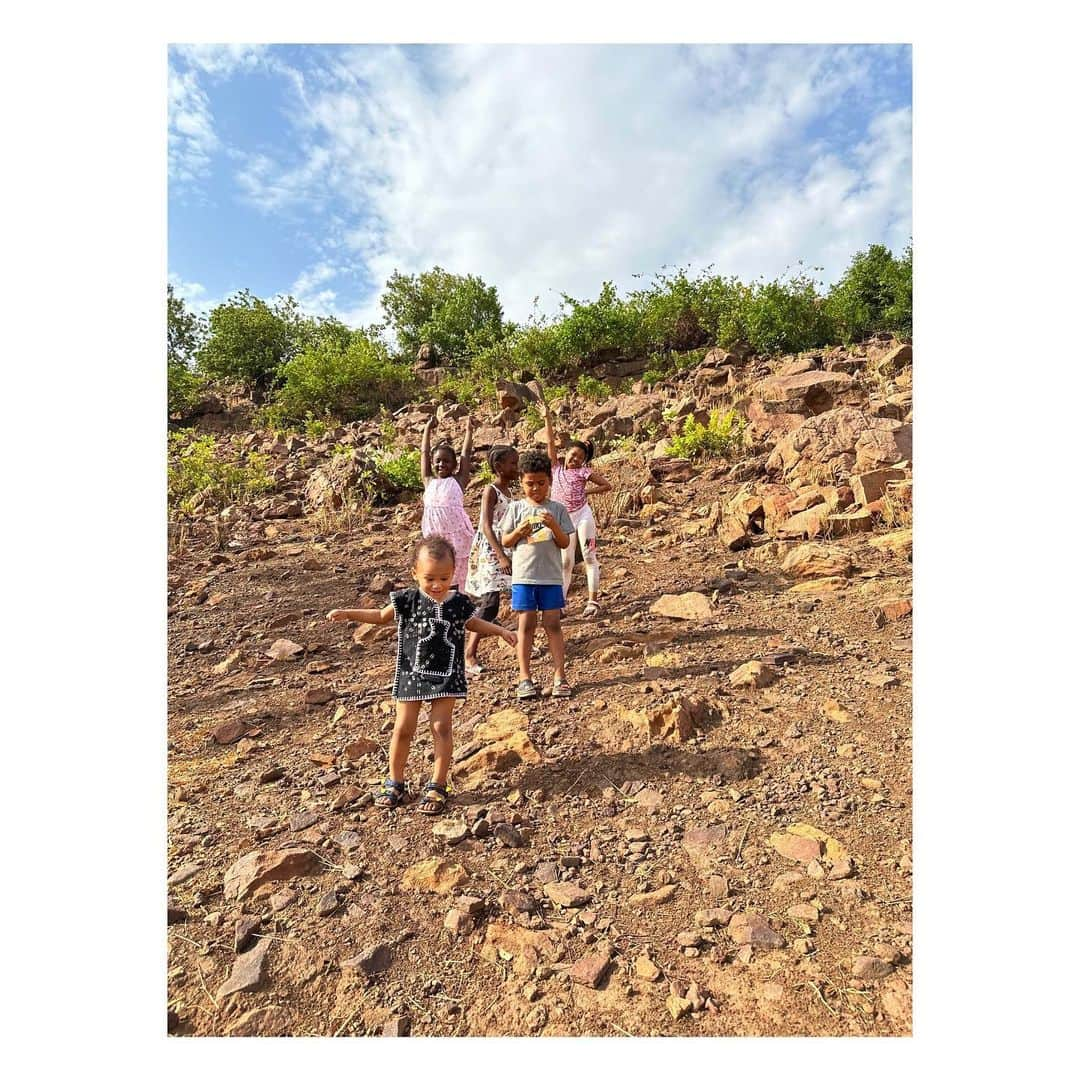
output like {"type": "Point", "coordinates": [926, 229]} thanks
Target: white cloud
{"type": "Point", "coordinates": [221, 60]}
{"type": "Point", "coordinates": [192, 140]}
{"type": "Point", "coordinates": [545, 169]}
{"type": "Point", "coordinates": [193, 294]}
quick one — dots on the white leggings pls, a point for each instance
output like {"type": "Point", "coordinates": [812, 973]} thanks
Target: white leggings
{"type": "Point", "coordinates": [585, 527]}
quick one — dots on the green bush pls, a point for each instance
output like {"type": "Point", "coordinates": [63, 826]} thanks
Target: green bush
{"type": "Point", "coordinates": [456, 315]}
{"type": "Point", "coordinates": [606, 326]}
{"type": "Point", "coordinates": [592, 389]}
{"type": "Point", "coordinates": [349, 381]}
{"type": "Point", "coordinates": [784, 316]}
{"type": "Point", "coordinates": [723, 436]}
{"type": "Point", "coordinates": [315, 429]}
{"type": "Point", "coordinates": [196, 467]}
{"type": "Point", "coordinates": [873, 296]}
{"type": "Point", "coordinates": [400, 470]}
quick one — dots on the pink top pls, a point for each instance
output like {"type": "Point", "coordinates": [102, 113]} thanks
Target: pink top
{"type": "Point", "coordinates": [568, 486]}
{"type": "Point", "coordinates": [445, 516]}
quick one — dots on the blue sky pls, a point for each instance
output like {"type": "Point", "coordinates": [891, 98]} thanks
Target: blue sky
{"type": "Point", "coordinates": [319, 170]}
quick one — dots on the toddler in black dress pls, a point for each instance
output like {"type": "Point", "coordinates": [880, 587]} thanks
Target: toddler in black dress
{"type": "Point", "coordinates": [431, 623]}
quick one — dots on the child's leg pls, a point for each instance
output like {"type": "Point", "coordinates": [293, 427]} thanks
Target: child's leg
{"type": "Point", "coordinates": [526, 633]}
{"type": "Point", "coordinates": [401, 740]}
{"type": "Point", "coordinates": [567, 565]}
{"type": "Point", "coordinates": [442, 711]}
{"type": "Point", "coordinates": [586, 532]}
{"type": "Point", "coordinates": [553, 625]}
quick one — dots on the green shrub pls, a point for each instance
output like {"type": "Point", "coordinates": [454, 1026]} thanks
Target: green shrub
{"type": "Point", "coordinates": [723, 436]}
{"type": "Point", "coordinates": [592, 389]}
{"type": "Point", "coordinates": [196, 467]}
{"type": "Point", "coordinates": [873, 296]}
{"type": "Point", "coordinates": [533, 419]}
{"type": "Point", "coordinates": [348, 381]}
{"type": "Point", "coordinates": [400, 470]}
{"type": "Point", "coordinates": [606, 326]}
{"type": "Point", "coordinates": [315, 429]}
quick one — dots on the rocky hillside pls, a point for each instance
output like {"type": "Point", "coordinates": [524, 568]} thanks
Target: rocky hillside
{"type": "Point", "coordinates": [712, 836]}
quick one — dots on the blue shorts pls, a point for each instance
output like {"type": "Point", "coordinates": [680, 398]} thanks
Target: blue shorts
{"type": "Point", "coordinates": [536, 598]}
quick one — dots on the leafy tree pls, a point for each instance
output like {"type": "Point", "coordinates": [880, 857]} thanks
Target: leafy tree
{"type": "Point", "coordinates": [455, 315]}
{"type": "Point", "coordinates": [250, 340]}
{"type": "Point", "coordinates": [184, 334]}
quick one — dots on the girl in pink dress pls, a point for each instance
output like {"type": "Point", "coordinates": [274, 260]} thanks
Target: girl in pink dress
{"type": "Point", "coordinates": [444, 479]}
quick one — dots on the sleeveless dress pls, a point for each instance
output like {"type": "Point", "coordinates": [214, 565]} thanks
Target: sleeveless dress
{"type": "Point", "coordinates": [485, 575]}
{"type": "Point", "coordinates": [445, 516]}
{"type": "Point", "coordinates": [431, 645]}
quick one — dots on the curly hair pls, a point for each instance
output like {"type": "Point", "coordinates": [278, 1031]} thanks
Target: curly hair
{"type": "Point", "coordinates": [534, 461]}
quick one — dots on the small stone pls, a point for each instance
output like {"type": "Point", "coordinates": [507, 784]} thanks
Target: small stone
{"type": "Point", "coordinates": [396, 1028]}
{"type": "Point", "coordinates": [689, 939]}
{"type": "Point", "coordinates": [654, 898]}
{"type": "Point", "coordinates": [871, 968]}
{"type": "Point", "coordinates": [348, 840]}
{"type": "Point", "coordinates": [352, 871]}
{"type": "Point", "coordinates": [480, 829]}
{"type": "Point", "coordinates": [518, 902]}
{"type": "Point", "coordinates": [473, 905]}
{"type": "Point", "coordinates": [508, 836]}
{"type": "Point", "coordinates": [318, 695]}
{"type": "Point", "coordinates": [688, 605]}
{"type": "Point", "coordinates": [282, 899]}
{"type": "Point", "coordinates": [260, 867]}
{"type": "Point", "coordinates": [247, 972]}
{"type": "Point", "coordinates": [371, 961]}
{"type": "Point", "coordinates": [750, 928]}
{"type": "Point", "coordinates": [176, 915]}
{"type": "Point", "coordinates": [786, 880]}
{"type": "Point", "coordinates": [435, 876]}
{"type": "Point", "coordinates": [244, 933]}
{"type": "Point", "coordinates": [328, 903]}
{"type": "Point", "coordinates": [801, 849]}
{"type": "Point", "coordinates": [450, 831]}
{"type": "Point", "coordinates": [346, 797]}
{"type": "Point", "coordinates": [678, 1006]}
{"type": "Point", "coordinates": [229, 732]}
{"type": "Point", "coordinates": [302, 819]}
{"type": "Point", "coordinates": [183, 873]}
{"type": "Point", "coordinates": [840, 869]}
{"type": "Point", "coordinates": [566, 894]}
{"type": "Point", "coordinates": [644, 968]}
{"type": "Point", "coordinates": [591, 969]}
{"type": "Point", "coordinates": [359, 748]}
{"type": "Point", "coordinates": [753, 674]}
{"type": "Point", "coordinates": [712, 917]}
{"type": "Point", "coordinates": [804, 913]}
{"type": "Point", "coordinates": [458, 922]}
{"type": "Point", "coordinates": [815, 870]}
{"type": "Point", "coordinates": [283, 649]}
{"type": "Point", "coordinates": [546, 872]}
{"type": "Point", "coordinates": [276, 772]}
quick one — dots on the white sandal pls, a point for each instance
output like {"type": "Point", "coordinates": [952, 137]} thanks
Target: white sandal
{"type": "Point", "coordinates": [591, 610]}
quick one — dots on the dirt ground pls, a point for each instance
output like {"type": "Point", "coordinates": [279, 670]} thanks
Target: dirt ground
{"type": "Point", "coordinates": [599, 880]}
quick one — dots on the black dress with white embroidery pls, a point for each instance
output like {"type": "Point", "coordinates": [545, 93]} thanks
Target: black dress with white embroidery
{"type": "Point", "coordinates": [431, 645]}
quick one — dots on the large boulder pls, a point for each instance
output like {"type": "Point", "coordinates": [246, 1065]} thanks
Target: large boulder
{"type": "Point", "coordinates": [809, 392]}
{"type": "Point", "coordinates": [331, 485]}
{"type": "Point", "coordinates": [822, 450]}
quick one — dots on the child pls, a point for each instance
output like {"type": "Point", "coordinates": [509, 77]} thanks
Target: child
{"type": "Point", "coordinates": [489, 565]}
{"type": "Point", "coordinates": [536, 529]}
{"type": "Point", "coordinates": [570, 487]}
{"type": "Point", "coordinates": [444, 495]}
{"type": "Point", "coordinates": [431, 622]}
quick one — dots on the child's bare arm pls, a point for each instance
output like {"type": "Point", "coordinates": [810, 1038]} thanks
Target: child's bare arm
{"type": "Point", "coordinates": [600, 484]}
{"type": "Point", "coordinates": [487, 524]}
{"type": "Point", "coordinates": [465, 465]}
{"type": "Point", "coordinates": [425, 450]}
{"type": "Point", "coordinates": [549, 430]}
{"type": "Point", "coordinates": [488, 629]}
{"type": "Point", "coordinates": [378, 616]}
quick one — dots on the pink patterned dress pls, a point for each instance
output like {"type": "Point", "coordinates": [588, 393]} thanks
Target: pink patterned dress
{"type": "Point", "coordinates": [445, 516]}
